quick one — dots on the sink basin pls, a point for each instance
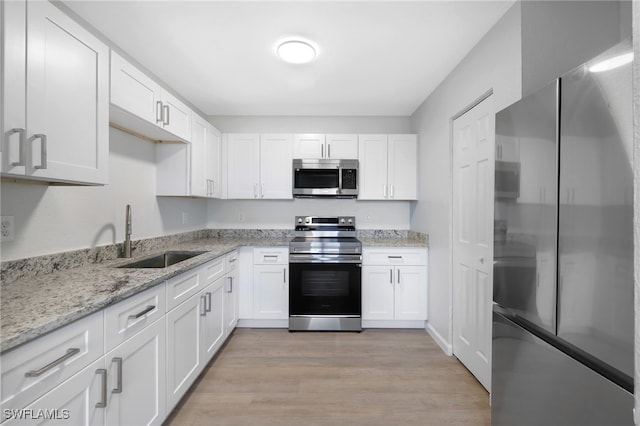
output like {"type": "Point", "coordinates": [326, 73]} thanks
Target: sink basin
{"type": "Point", "coordinates": [163, 260]}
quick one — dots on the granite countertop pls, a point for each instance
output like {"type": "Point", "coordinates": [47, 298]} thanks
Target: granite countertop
{"type": "Point", "coordinates": [31, 307]}
{"type": "Point", "coordinates": [34, 306]}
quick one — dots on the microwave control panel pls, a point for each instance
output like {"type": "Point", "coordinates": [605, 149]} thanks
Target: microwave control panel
{"type": "Point", "coordinates": [349, 179]}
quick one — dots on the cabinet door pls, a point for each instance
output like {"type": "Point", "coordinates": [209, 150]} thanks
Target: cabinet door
{"type": "Point", "coordinates": [198, 182]}
{"type": "Point", "coordinates": [342, 147]}
{"type": "Point", "coordinates": [133, 91]}
{"type": "Point", "coordinates": [372, 153]}
{"type": "Point", "coordinates": [270, 292]}
{"type": "Point", "coordinates": [212, 154]}
{"type": "Point", "coordinates": [137, 378]}
{"type": "Point", "coordinates": [176, 116]}
{"type": "Point", "coordinates": [67, 98]}
{"type": "Point", "coordinates": [73, 402]}
{"type": "Point", "coordinates": [184, 362]}
{"type": "Point", "coordinates": [507, 148]}
{"type": "Point", "coordinates": [308, 146]}
{"type": "Point", "coordinates": [213, 319]}
{"type": "Point", "coordinates": [276, 173]}
{"type": "Point", "coordinates": [410, 293]}
{"type": "Point", "coordinates": [243, 165]}
{"type": "Point", "coordinates": [402, 167]}
{"type": "Point", "coordinates": [377, 292]}
{"type": "Point", "coordinates": [231, 301]}
{"type": "Point", "coordinates": [14, 122]}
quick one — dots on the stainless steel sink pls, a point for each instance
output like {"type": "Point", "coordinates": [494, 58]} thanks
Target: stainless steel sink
{"type": "Point", "coordinates": [163, 260]}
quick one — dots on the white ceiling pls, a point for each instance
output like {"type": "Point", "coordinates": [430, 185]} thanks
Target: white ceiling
{"type": "Point", "coordinates": [375, 58]}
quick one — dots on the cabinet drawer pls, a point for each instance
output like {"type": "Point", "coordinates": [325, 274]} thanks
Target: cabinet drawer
{"type": "Point", "coordinates": [50, 360]}
{"type": "Point", "coordinates": [183, 286]}
{"type": "Point", "coordinates": [231, 260]}
{"type": "Point", "coordinates": [213, 270]}
{"type": "Point", "coordinates": [128, 317]}
{"type": "Point", "coordinates": [392, 256]}
{"type": "Point", "coordinates": [272, 255]}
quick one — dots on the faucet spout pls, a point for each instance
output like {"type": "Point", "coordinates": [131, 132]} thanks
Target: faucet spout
{"type": "Point", "coordinates": [127, 237]}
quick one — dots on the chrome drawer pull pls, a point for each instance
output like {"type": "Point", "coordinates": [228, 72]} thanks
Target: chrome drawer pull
{"type": "Point", "coordinates": [118, 388]}
{"type": "Point", "coordinates": [103, 388]}
{"type": "Point", "coordinates": [148, 309]}
{"type": "Point", "coordinates": [35, 373]}
{"type": "Point", "coordinates": [159, 112]}
{"type": "Point", "coordinates": [205, 304]}
{"type": "Point", "coordinates": [230, 284]}
{"type": "Point", "coordinates": [394, 257]}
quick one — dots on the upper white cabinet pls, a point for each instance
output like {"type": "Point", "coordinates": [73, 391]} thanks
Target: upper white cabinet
{"type": "Point", "coordinates": [335, 146]}
{"type": "Point", "coordinates": [55, 101]}
{"type": "Point", "coordinates": [507, 148]}
{"type": "Point", "coordinates": [388, 167]}
{"type": "Point", "coordinates": [191, 169]}
{"type": "Point", "coordinates": [258, 166]}
{"type": "Point", "coordinates": [140, 105]}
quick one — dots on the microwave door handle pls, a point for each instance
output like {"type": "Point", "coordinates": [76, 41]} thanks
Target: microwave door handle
{"type": "Point", "coordinates": [339, 180]}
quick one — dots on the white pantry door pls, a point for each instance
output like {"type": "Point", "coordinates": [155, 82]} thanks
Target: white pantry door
{"type": "Point", "coordinates": [473, 179]}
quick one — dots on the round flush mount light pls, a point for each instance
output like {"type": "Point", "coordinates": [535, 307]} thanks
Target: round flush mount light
{"type": "Point", "coordinates": [296, 51]}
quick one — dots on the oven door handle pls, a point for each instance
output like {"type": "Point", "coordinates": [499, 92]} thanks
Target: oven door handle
{"type": "Point", "coordinates": [325, 258]}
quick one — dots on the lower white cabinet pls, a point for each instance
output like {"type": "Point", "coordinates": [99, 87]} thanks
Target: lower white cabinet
{"type": "Point", "coordinates": [271, 291]}
{"type": "Point", "coordinates": [184, 361]}
{"type": "Point", "coordinates": [394, 293]}
{"type": "Point", "coordinates": [231, 293]}
{"type": "Point", "coordinates": [136, 392]}
{"type": "Point", "coordinates": [212, 319]}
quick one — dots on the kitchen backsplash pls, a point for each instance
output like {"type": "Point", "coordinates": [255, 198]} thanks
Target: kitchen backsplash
{"type": "Point", "coordinates": [13, 270]}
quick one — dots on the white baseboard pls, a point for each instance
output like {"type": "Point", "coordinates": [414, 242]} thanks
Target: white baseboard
{"type": "Point", "coordinates": [263, 323]}
{"type": "Point", "coordinates": [444, 345]}
{"type": "Point", "coordinates": [392, 324]}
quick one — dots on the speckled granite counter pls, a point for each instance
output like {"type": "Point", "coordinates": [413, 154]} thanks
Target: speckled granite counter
{"type": "Point", "coordinates": [31, 307]}
{"type": "Point", "coordinates": [393, 242]}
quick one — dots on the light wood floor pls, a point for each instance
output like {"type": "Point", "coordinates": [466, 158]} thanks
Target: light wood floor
{"type": "Point", "coordinates": [377, 377]}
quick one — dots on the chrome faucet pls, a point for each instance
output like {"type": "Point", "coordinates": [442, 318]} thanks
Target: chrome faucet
{"type": "Point", "coordinates": [127, 233]}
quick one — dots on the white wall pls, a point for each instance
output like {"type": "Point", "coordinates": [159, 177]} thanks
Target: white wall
{"type": "Point", "coordinates": [51, 219]}
{"type": "Point", "coordinates": [494, 63]}
{"type": "Point", "coordinates": [279, 214]}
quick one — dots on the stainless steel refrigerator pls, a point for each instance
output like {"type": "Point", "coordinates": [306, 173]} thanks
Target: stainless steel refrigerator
{"type": "Point", "coordinates": [563, 319]}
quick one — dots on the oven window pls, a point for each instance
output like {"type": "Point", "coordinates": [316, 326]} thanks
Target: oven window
{"type": "Point", "coordinates": [325, 289]}
{"type": "Point", "coordinates": [316, 178]}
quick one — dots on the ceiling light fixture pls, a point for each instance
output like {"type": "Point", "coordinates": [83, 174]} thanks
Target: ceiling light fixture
{"type": "Point", "coordinates": [611, 63]}
{"type": "Point", "coordinates": [296, 52]}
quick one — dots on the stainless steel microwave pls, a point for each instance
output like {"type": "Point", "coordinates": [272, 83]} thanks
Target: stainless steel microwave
{"type": "Point", "coordinates": [325, 178]}
{"type": "Point", "coordinates": [507, 183]}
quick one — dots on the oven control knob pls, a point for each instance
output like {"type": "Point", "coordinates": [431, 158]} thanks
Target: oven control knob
{"type": "Point", "coordinates": [299, 220]}
{"type": "Point", "coordinates": [350, 221]}
{"type": "Point", "coordinates": [342, 220]}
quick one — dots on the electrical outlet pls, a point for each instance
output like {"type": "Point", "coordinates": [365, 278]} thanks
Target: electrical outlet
{"type": "Point", "coordinates": [241, 216]}
{"type": "Point", "coordinates": [6, 229]}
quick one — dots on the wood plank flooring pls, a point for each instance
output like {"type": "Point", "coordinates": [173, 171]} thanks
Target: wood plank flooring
{"type": "Point", "coordinates": [377, 377]}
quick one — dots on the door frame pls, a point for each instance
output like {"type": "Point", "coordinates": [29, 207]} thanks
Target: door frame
{"type": "Point", "coordinates": [463, 111]}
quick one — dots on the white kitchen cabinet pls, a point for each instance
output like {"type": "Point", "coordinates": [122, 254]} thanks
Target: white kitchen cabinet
{"type": "Point", "coordinates": [212, 319]}
{"type": "Point", "coordinates": [142, 106]}
{"type": "Point", "coordinates": [270, 283]}
{"type": "Point", "coordinates": [137, 378]}
{"type": "Point", "coordinates": [31, 370]}
{"type": "Point", "coordinates": [181, 287]}
{"type": "Point", "coordinates": [258, 166]}
{"type": "Point", "coordinates": [56, 97]}
{"type": "Point", "coordinates": [507, 148]}
{"type": "Point", "coordinates": [394, 287]}
{"type": "Point", "coordinates": [76, 401]}
{"type": "Point", "coordinates": [184, 360]}
{"type": "Point", "coordinates": [331, 146]}
{"type": "Point", "coordinates": [232, 292]}
{"type": "Point", "coordinates": [190, 169]}
{"type": "Point", "coordinates": [388, 167]}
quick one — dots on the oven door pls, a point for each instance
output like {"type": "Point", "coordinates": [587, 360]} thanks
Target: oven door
{"type": "Point", "coordinates": [325, 285]}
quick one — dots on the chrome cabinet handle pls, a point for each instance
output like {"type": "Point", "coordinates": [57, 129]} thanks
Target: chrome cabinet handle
{"type": "Point", "coordinates": [394, 257]}
{"type": "Point", "coordinates": [43, 151]}
{"type": "Point", "coordinates": [207, 307]}
{"type": "Point", "coordinates": [390, 276]}
{"type": "Point", "coordinates": [148, 309]}
{"type": "Point", "coordinates": [322, 151]}
{"type": "Point", "coordinates": [262, 190]}
{"type": "Point", "coordinates": [391, 191]}
{"type": "Point", "coordinates": [35, 373]}
{"type": "Point", "coordinates": [118, 362]}
{"type": "Point", "coordinates": [103, 388]}
{"type": "Point", "coordinates": [21, 145]}
{"type": "Point", "coordinates": [234, 259]}
{"type": "Point", "coordinates": [159, 112]}
{"type": "Point", "coordinates": [328, 150]}
{"type": "Point", "coordinates": [230, 284]}
{"type": "Point", "coordinates": [165, 117]}
{"type": "Point", "coordinates": [398, 276]}
{"type": "Point", "coordinates": [284, 275]}
{"type": "Point", "coordinates": [255, 190]}
{"type": "Point", "coordinates": [384, 191]}
{"type": "Point", "coordinates": [204, 306]}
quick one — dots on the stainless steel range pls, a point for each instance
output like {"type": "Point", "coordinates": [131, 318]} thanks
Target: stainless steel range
{"type": "Point", "coordinates": [325, 275]}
